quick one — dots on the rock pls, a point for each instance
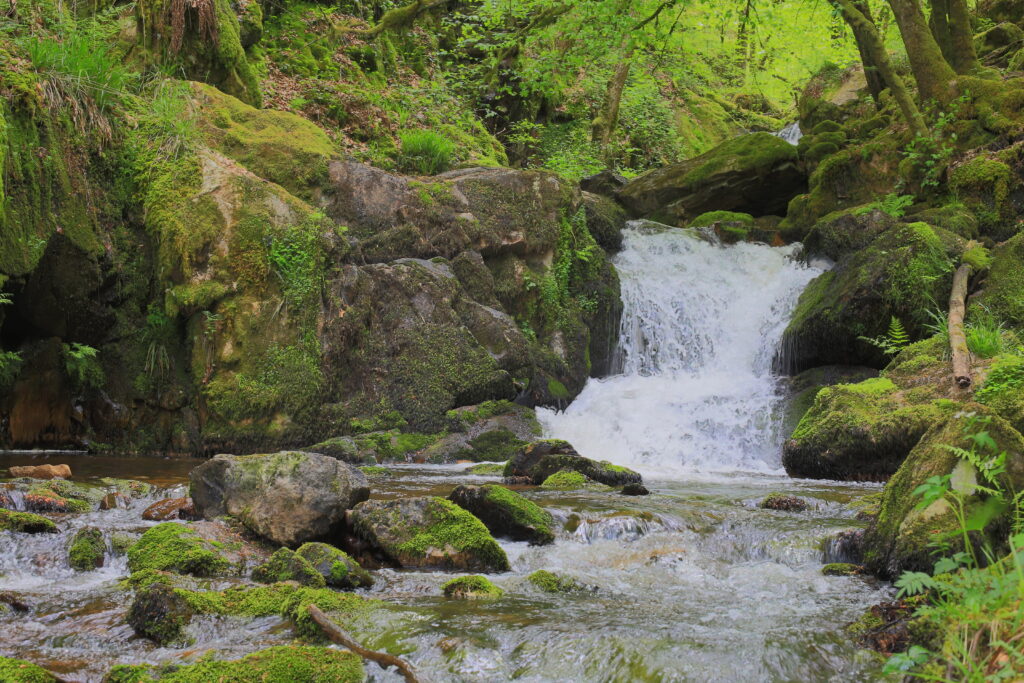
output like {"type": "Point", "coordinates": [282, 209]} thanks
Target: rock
{"type": "Point", "coordinates": [20, 671]}
{"type": "Point", "coordinates": [114, 500]}
{"type": "Point", "coordinates": [804, 387]}
{"type": "Point", "coordinates": [286, 497]}
{"type": "Point", "coordinates": [170, 508]}
{"type": "Point", "coordinates": [1002, 10]}
{"type": "Point", "coordinates": [286, 565]}
{"type": "Point", "coordinates": [487, 469]}
{"type": "Point", "coordinates": [26, 522]}
{"type": "Point", "coordinates": [516, 481]}
{"type": "Point", "coordinates": [550, 582]}
{"type": "Point", "coordinates": [541, 459]}
{"type": "Point", "coordinates": [635, 490]}
{"type": "Point", "coordinates": [14, 601]}
{"type": "Point", "coordinates": [493, 431]}
{"type": "Point", "coordinates": [901, 273]}
{"type": "Point", "coordinates": [606, 220]}
{"type": "Point", "coordinates": [841, 569]}
{"type": "Point", "coordinates": [471, 587]}
{"type": "Point", "coordinates": [506, 513]}
{"type": "Point", "coordinates": [1003, 290]}
{"type": "Point", "coordinates": [427, 532]}
{"type": "Point", "coordinates": [159, 613]}
{"type": "Point", "coordinates": [87, 549]}
{"type": "Point", "coordinates": [858, 432]}
{"type": "Point", "coordinates": [570, 480]}
{"type": "Point", "coordinates": [41, 471]}
{"type": "Point", "coordinates": [344, 448]}
{"type": "Point", "coordinates": [1001, 35]}
{"type": "Point", "coordinates": [729, 226]}
{"type": "Point", "coordinates": [179, 548]}
{"type": "Point", "coordinates": [279, 663]}
{"type": "Point", "coordinates": [606, 182]}
{"type": "Point", "coordinates": [1001, 390]}
{"type": "Point", "coordinates": [847, 231]}
{"type": "Point", "coordinates": [778, 501]}
{"type": "Point", "coordinates": [338, 569]}
{"type": "Point", "coordinates": [756, 174]}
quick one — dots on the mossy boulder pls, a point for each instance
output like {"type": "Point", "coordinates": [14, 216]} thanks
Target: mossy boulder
{"type": "Point", "coordinates": [857, 432]}
{"type": "Point", "coordinates": [20, 671]}
{"type": "Point", "coordinates": [25, 522]}
{"type": "Point", "coordinates": [471, 587]}
{"type": "Point", "coordinates": [730, 226]}
{"type": "Point", "coordinates": [506, 513]}
{"type": "Point", "coordinates": [1003, 390]}
{"type": "Point", "coordinates": [281, 663]}
{"type": "Point", "coordinates": [755, 174]}
{"type": "Point", "coordinates": [570, 480]}
{"type": "Point", "coordinates": [901, 273]}
{"type": "Point", "coordinates": [983, 183]}
{"type": "Point", "coordinates": [345, 448]}
{"type": "Point", "coordinates": [844, 232]}
{"type": "Point", "coordinates": [905, 538]}
{"type": "Point", "coordinates": [1003, 289]}
{"type": "Point", "coordinates": [87, 549]}
{"type": "Point", "coordinates": [841, 569]}
{"type": "Point", "coordinates": [1002, 35]}
{"type": "Point", "coordinates": [493, 431]}
{"type": "Point", "coordinates": [288, 498]}
{"type": "Point", "coordinates": [58, 495]}
{"type": "Point", "coordinates": [802, 388]}
{"type": "Point", "coordinates": [160, 613]}
{"type": "Point", "coordinates": [287, 565]}
{"type": "Point", "coordinates": [180, 548]}
{"type": "Point", "coordinates": [338, 569]}
{"type": "Point", "coordinates": [427, 532]}
{"type": "Point", "coordinates": [606, 219]}
{"type": "Point", "coordinates": [550, 582]}
{"type": "Point", "coordinates": [782, 502]}
{"type": "Point", "coordinates": [541, 459]}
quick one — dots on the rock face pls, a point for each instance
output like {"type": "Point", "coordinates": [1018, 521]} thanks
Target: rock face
{"type": "Point", "coordinates": [288, 498]}
{"type": "Point", "coordinates": [427, 532]}
{"type": "Point", "coordinates": [541, 459]}
{"type": "Point", "coordinates": [41, 471]}
{"type": "Point", "coordinates": [506, 513]}
{"type": "Point", "coordinates": [756, 174]}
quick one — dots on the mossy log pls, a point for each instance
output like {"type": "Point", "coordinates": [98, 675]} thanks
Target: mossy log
{"type": "Point", "coordinates": [957, 338]}
{"type": "Point", "coordinates": [337, 635]}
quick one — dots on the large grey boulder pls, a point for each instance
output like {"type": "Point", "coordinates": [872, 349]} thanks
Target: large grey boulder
{"type": "Point", "coordinates": [288, 498]}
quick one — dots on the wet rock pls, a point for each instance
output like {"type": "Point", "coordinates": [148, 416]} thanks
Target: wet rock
{"type": "Point", "coordinates": [570, 480]}
{"type": "Point", "coordinates": [541, 459]}
{"type": "Point", "coordinates": [493, 431]}
{"type": "Point", "coordinates": [120, 541]}
{"type": "Point", "coordinates": [606, 219]}
{"type": "Point", "coordinates": [506, 513]}
{"type": "Point", "coordinates": [841, 569]}
{"type": "Point", "coordinates": [635, 490]}
{"type": "Point", "coordinates": [344, 448]}
{"type": "Point", "coordinates": [845, 547]}
{"type": "Point", "coordinates": [844, 232]}
{"type": "Point", "coordinates": [286, 497]}
{"type": "Point", "coordinates": [170, 508]}
{"type": "Point", "coordinates": [516, 481]}
{"type": "Point", "coordinates": [756, 174]}
{"type": "Point", "coordinates": [550, 582]}
{"type": "Point", "coordinates": [15, 601]}
{"type": "Point", "coordinates": [132, 488]}
{"type": "Point", "coordinates": [87, 549]}
{"type": "Point", "coordinates": [26, 522]}
{"type": "Point", "coordinates": [471, 587]}
{"type": "Point", "coordinates": [427, 532]}
{"type": "Point", "coordinates": [286, 565]}
{"type": "Point", "coordinates": [779, 501]}
{"type": "Point", "coordinates": [41, 471]}
{"type": "Point", "coordinates": [338, 569]}
{"type": "Point", "coordinates": [280, 663]}
{"type": "Point", "coordinates": [113, 501]}
{"type": "Point", "coordinates": [494, 469]}
{"type": "Point", "coordinates": [179, 548]}
{"type": "Point", "coordinates": [159, 613]}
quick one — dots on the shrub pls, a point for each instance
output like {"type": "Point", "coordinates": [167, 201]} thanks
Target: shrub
{"type": "Point", "coordinates": [425, 152]}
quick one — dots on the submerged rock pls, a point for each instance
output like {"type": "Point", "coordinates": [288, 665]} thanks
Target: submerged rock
{"type": "Point", "coordinates": [427, 532]}
{"type": "Point", "coordinates": [471, 587]}
{"type": "Point", "coordinates": [87, 549]}
{"type": "Point", "coordinates": [550, 582]}
{"type": "Point", "coordinates": [570, 480]}
{"type": "Point", "coordinates": [506, 513]}
{"type": "Point", "coordinates": [541, 459]}
{"type": "Point", "coordinates": [41, 471]}
{"type": "Point", "coordinates": [286, 497]}
{"type": "Point", "coordinates": [635, 490]}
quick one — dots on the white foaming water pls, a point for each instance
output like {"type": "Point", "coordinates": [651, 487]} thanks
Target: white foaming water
{"type": "Point", "coordinates": [791, 133]}
{"type": "Point", "coordinates": [700, 326]}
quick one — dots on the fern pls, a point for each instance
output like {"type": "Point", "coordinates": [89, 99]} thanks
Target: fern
{"type": "Point", "coordinates": [895, 339]}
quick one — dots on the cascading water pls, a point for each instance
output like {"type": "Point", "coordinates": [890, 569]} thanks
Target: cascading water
{"type": "Point", "coordinates": [791, 133]}
{"type": "Point", "coordinates": [700, 326]}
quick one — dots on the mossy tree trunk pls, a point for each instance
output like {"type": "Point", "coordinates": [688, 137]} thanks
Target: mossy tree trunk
{"type": "Point", "coordinates": [870, 41]}
{"type": "Point", "coordinates": [608, 118]}
{"type": "Point", "coordinates": [964, 58]}
{"type": "Point", "coordinates": [871, 71]}
{"type": "Point", "coordinates": [931, 70]}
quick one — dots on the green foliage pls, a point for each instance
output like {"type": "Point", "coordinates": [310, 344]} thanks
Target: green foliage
{"type": "Point", "coordinates": [929, 154]}
{"type": "Point", "coordinates": [895, 339]}
{"type": "Point", "coordinates": [1004, 380]}
{"type": "Point", "coordinates": [985, 335]}
{"type": "Point", "coordinates": [82, 366]}
{"type": "Point", "coordinates": [297, 259]}
{"type": "Point", "coordinates": [895, 204]}
{"type": "Point", "coordinates": [425, 152]}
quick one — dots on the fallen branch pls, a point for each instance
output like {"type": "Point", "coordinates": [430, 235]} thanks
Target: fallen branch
{"type": "Point", "coordinates": [957, 338]}
{"type": "Point", "coordinates": [337, 635]}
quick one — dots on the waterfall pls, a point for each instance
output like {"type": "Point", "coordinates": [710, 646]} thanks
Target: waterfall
{"type": "Point", "coordinates": [791, 133]}
{"type": "Point", "coordinates": [694, 390]}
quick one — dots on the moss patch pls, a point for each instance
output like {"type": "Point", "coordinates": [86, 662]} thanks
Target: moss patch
{"type": "Point", "coordinates": [473, 587]}
{"type": "Point", "coordinates": [25, 522]}
{"type": "Point", "coordinates": [550, 582]}
{"type": "Point", "coordinates": [178, 548]}
{"type": "Point", "coordinates": [24, 672]}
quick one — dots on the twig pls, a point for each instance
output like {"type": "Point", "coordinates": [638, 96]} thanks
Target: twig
{"type": "Point", "coordinates": [337, 635]}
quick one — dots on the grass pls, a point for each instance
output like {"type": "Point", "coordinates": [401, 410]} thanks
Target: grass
{"type": "Point", "coordinates": [425, 152]}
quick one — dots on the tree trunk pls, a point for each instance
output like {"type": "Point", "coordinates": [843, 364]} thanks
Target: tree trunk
{"type": "Point", "coordinates": [604, 125]}
{"type": "Point", "coordinates": [865, 30]}
{"type": "Point", "coordinates": [337, 635]}
{"type": "Point", "coordinates": [874, 78]}
{"type": "Point", "coordinates": [957, 338]}
{"type": "Point", "coordinates": [931, 70]}
{"type": "Point", "coordinates": [743, 40]}
{"type": "Point", "coordinates": [939, 24]}
{"type": "Point", "coordinates": [965, 59]}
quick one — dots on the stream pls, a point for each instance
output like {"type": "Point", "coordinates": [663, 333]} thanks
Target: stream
{"type": "Point", "coordinates": [692, 583]}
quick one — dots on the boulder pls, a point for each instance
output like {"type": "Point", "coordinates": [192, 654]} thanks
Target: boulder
{"type": "Point", "coordinates": [757, 174]}
{"type": "Point", "coordinates": [26, 523]}
{"type": "Point", "coordinates": [427, 532]}
{"type": "Point", "coordinates": [1002, 292]}
{"type": "Point", "coordinates": [506, 513]}
{"type": "Point", "coordinates": [471, 588]}
{"type": "Point", "coordinates": [1002, 10]}
{"type": "Point", "coordinates": [41, 471]}
{"type": "Point", "coordinates": [160, 613]}
{"type": "Point", "coordinates": [550, 582]}
{"type": "Point", "coordinates": [87, 549]}
{"type": "Point", "coordinates": [779, 501]}
{"type": "Point", "coordinates": [198, 549]}
{"type": "Point", "coordinates": [338, 569]}
{"type": "Point", "coordinates": [606, 182]}
{"type": "Point", "coordinates": [570, 480]}
{"type": "Point", "coordinates": [634, 490]}
{"type": "Point", "coordinates": [541, 459]}
{"type": "Point", "coordinates": [1001, 35]}
{"type": "Point", "coordinates": [25, 672]}
{"type": "Point", "coordinates": [288, 498]}
{"type": "Point", "coordinates": [606, 220]}
{"type": "Point", "coordinates": [286, 565]}
{"type": "Point", "coordinates": [489, 432]}
{"type": "Point", "coordinates": [906, 538]}
{"type": "Point", "coordinates": [170, 508]}
{"type": "Point", "coordinates": [844, 232]}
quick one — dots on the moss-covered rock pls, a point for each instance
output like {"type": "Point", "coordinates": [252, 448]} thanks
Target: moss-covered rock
{"type": "Point", "coordinates": [178, 548]}
{"type": "Point", "coordinates": [780, 501]}
{"type": "Point", "coordinates": [857, 431]}
{"type": "Point", "coordinates": [606, 220]}
{"type": "Point", "coordinates": [471, 587]}
{"type": "Point", "coordinates": [272, 665]}
{"type": "Point", "coordinates": [541, 459]}
{"type": "Point", "coordinates": [904, 537]}
{"type": "Point", "coordinates": [159, 613]}
{"type": "Point", "coordinates": [492, 431]}
{"type": "Point", "coordinates": [87, 549]}
{"type": "Point", "coordinates": [1003, 390]}
{"type": "Point", "coordinates": [1003, 291]}
{"type": "Point", "coordinates": [983, 183]}
{"type": "Point", "coordinates": [506, 513]}
{"type": "Point", "coordinates": [25, 522]}
{"type": "Point", "coordinates": [569, 480]}
{"type": "Point", "coordinates": [338, 569]}
{"type": "Point", "coordinates": [487, 469]}
{"type": "Point", "coordinates": [730, 226]}
{"type": "Point", "coordinates": [550, 582]}
{"type": "Point", "coordinates": [287, 565]}
{"type": "Point", "coordinates": [841, 569]}
{"type": "Point", "coordinates": [427, 532]}
{"type": "Point", "coordinates": [846, 231]}
{"type": "Point", "coordinates": [899, 274]}
{"type": "Point", "coordinates": [24, 672]}
{"type": "Point", "coordinates": [755, 174]}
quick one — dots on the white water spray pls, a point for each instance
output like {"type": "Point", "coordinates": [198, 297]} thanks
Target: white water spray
{"type": "Point", "coordinates": [791, 133]}
{"type": "Point", "coordinates": [700, 325]}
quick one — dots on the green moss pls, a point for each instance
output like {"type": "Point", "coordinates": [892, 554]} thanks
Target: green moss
{"type": "Point", "coordinates": [176, 547]}
{"type": "Point", "coordinates": [567, 480]}
{"type": "Point", "coordinates": [25, 522]}
{"type": "Point", "coordinates": [471, 587]}
{"type": "Point", "coordinates": [286, 565]}
{"type": "Point", "coordinates": [496, 469]}
{"type": "Point", "coordinates": [276, 665]}
{"type": "Point", "coordinates": [558, 390]}
{"type": "Point", "coordinates": [338, 569]}
{"type": "Point", "coordinates": [375, 471]}
{"type": "Point", "coordinates": [20, 671]}
{"type": "Point", "coordinates": [1003, 389]}
{"type": "Point", "coordinates": [869, 621]}
{"type": "Point", "coordinates": [523, 511]}
{"type": "Point", "coordinates": [87, 549]}
{"type": "Point", "coordinates": [549, 582]}
{"type": "Point", "coordinates": [840, 569]}
{"type": "Point", "coordinates": [495, 445]}
{"type": "Point", "coordinates": [1003, 293]}
{"type": "Point", "coordinates": [977, 257]}
{"type": "Point", "coordinates": [983, 184]}
{"type": "Point", "coordinates": [712, 217]}
{"type": "Point", "coordinates": [455, 527]}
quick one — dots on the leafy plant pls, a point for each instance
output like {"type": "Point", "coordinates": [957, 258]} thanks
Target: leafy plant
{"type": "Point", "coordinates": [895, 204]}
{"type": "Point", "coordinates": [894, 340]}
{"type": "Point", "coordinates": [82, 365]}
{"type": "Point", "coordinates": [930, 154]}
{"type": "Point", "coordinates": [425, 152]}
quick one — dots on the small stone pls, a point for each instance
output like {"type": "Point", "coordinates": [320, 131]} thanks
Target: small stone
{"type": "Point", "coordinates": [168, 509]}
{"type": "Point", "coordinates": [778, 501]}
{"type": "Point", "coordinates": [41, 471]}
{"type": "Point", "coordinates": [113, 500]}
{"type": "Point", "coordinates": [635, 490]}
